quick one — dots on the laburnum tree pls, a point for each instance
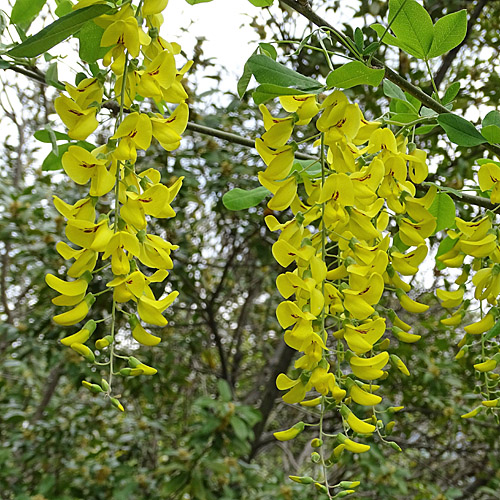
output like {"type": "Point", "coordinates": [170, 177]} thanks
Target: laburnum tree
{"type": "Point", "coordinates": [360, 219]}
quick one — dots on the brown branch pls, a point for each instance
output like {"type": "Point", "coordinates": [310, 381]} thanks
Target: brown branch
{"type": "Point", "coordinates": [450, 56]}
{"type": "Point", "coordinates": [50, 388]}
{"type": "Point", "coordinates": [3, 284]}
{"type": "Point", "coordinates": [283, 358]}
{"type": "Point", "coordinates": [238, 334]}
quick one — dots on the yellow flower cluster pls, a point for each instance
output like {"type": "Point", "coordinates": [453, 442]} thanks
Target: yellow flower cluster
{"type": "Point", "coordinates": [478, 240]}
{"type": "Point", "coordinates": [340, 255]}
{"type": "Point", "coordinates": [111, 222]}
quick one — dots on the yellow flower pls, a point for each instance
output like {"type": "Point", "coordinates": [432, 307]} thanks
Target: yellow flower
{"type": "Point", "coordinates": [153, 7]}
{"type": "Point", "coordinates": [489, 177]}
{"type": "Point", "coordinates": [122, 31]}
{"type": "Point", "coordinates": [80, 122]}
{"type": "Point", "coordinates": [134, 132]}
{"type": "Point", "coordinates": [176, 93]}
{"type": "Point", "coordinates": [82, 209]}
{"type": "Point", "coordinates": [362, 293]}
{"type": "Point", "coordinates": [351, 445]}
{"type": "Point", "coordinates": [290, 433]}
{"type": "Point", "coordinates": [407, 264]}
{"type": "Point", "coordinates": [361, 339]}
{"type": "Point", "coordinates": [340, 119]}
{"type": "Point", "coordinates": [118, 244]}
{"type": "Point", "coordinates": [357, 425]}
{"type": "Point", "coordinates": [369, 368]}
{"type": "Point", "coordinates": [89, 90]}
{"type": "Point", "coordinates": [296, 388]}
{"type": "Point", "coordinates": [87, 235]}
{"type": "Point", "coordinates": [82, 166]}
{"type": "Point", "coordinates": [450, 299]}
{"type": "Point", "coordinates": [305, 106]}
{"type": "Point", "coordinates": [81, 336]}
{"type": "Point", "coordinates": [360, 396]}
{"type": "Point", "coordinates": [158, 76]}
{"type": "Point", "coordinates": [75, 315]}
{"type": "Point", "coordinates": [168, 130]}
{"type": "Point", "coordinates": [155, 252]}
{"type": "Point", "coordinates": [85, 260]}
{"type": "Point", "coordinates": [150, 310]}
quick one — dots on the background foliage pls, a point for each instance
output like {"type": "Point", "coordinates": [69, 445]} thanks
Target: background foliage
{"type": "Point", "coordinates": [202, 428]}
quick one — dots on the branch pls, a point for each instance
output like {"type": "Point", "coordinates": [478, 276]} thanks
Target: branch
{"type": "Point", "coordinates": [450, 56]}
{"type": "Point", "coordinates": [3, 284]}
{"type": "Point", "coordinates": [238, 335]}
{"type": "Point", "coordinates": [50, 388]}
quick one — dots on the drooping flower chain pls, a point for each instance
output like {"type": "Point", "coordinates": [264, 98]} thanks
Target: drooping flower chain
{"type": "Point", "coordinates": [344, 258]}
{"type": "Point", "coordinates": [478, 239]}
{"type": "Point", "coordinates": [111, 223]}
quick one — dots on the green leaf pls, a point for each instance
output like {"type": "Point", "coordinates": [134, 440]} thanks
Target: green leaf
{"type": "Point", "coordinates": [44, 135]}
{"type": "Point", "coordinates": [449, 32]}
{"type": "Point", "coordinates": [4, 64]}
{"type": "Point", "coordinates": [268, 91]}
{"type": "Point", "coordinates": [90, 42]}
{"type": "Point", "coordinates": [493, 332]}
{"type": "Point", "coordinates": [460, 131]}
{"type": "Point", "coordinates": [194, 2]}
{"type": "Point", "coordinates": [64, 8]}
{"type": "Point", "coordinates": [359, 39]}
{"type": "Point", "coordinates": [239, 427]}
{"type": "Point", "coordinates": [265, 70]}
{"type": "Point", "coordinates": [393, 91]}
{"type": "Point", "coordinates": [52, 78]}
{"type": "Point", "coordinates": [307, 168]}
{"type": "Point", "coordinates": [244, 80]}
{"type": "Point", "coordinates": [224, 390]}
{"type": "Point", "coordinates": [239, 199]}
{"type": "Point", "coordinates": [443, 208]}
{"type": "Point", "coordinates": [491, 133]}
{"type": "Point", "coordinates": [58, 31]}
{"type": "Point", "coordinates": [445, 246]}
{"type": "Point", "coordinates": [398, 243]}
{"type": "Point", "coordinates": [268, 50]}
{"type": "Point", "coordinates": [354, 73]}
{"type": "Point", "coordinates": [424, 129]}
{"type": "Point", "coordinates": [405, 117]}
{"type": "Point", "coordinates": [412, 26]}
{"type": "Point", "coordinates": [261, 3]}
{"type": "Point", "coordinates": [492, 118]}
{"type": "Point", "coordinates": [451, 93]}
{"type": "Point", "coordinates": [24, 11]}
{"type": "Point", "coordinates": [392, 40]}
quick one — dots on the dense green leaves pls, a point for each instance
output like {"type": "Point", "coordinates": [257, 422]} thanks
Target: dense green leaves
{"type": "Point", "coordinates": [415, 33]}
{"type": "Point", "coordinates": [460, 131]}
{"type": "Point", "coordinates": [58, 31]}
{"type": "Point", "coordinates": [239, 199]}
{"type": "Point", "coordinates": [354, 73]}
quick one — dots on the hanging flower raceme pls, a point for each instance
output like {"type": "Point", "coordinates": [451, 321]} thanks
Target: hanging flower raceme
{"type": "Point", "coordinates": [111, 223]}
{"type": "Point", "coordinates": [340, 258]}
